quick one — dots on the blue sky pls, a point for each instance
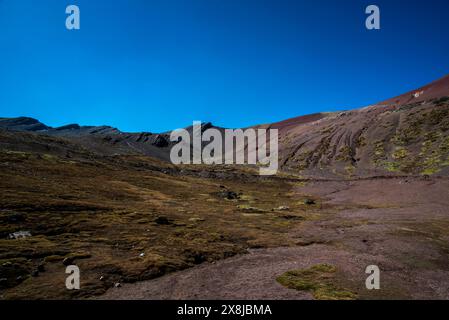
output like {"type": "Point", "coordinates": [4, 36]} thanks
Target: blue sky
{"type": "Point", "coordinates": [143, 65]}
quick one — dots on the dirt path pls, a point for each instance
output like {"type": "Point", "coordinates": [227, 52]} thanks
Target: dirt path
{"type": "Point", "coordinates": [401, 225]}
{"type": "Point", "coordinates": [250, 276]}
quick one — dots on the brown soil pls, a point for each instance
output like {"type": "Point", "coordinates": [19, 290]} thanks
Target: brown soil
{"type": "Point", "coordinates": [401, 225]}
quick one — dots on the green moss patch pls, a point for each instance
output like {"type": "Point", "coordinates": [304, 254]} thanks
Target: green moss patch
{"type": "Point", "coordinates": [319, 280]}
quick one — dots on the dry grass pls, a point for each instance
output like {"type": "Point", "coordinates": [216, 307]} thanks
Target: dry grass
{"type": "Point", "coordinates": [125, 219]}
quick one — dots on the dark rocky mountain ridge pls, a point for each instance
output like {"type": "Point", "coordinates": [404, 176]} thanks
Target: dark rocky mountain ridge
{"type": "Point", "coordinates": [404, 135]}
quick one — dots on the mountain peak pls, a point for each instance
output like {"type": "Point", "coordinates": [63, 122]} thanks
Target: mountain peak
{"type": "Point", "coordinates": [23, 124]}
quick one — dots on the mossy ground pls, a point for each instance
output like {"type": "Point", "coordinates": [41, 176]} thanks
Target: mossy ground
{"type": "Point", "coordinates": [320, 280]}
{"type": "Point", "coordinates": [419, 145]}
{"type": "Point", "coordinates": [104, 214]}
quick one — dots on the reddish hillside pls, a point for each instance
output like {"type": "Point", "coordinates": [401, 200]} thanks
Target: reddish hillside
{"type": "Point", "coordinates": [408, 134]}
{"type": "Point", "coordinates": [436, 89]}
{"type": "Point", "coordinates": [297, 121]}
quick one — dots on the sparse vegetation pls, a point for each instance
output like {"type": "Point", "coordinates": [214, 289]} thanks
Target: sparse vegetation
{"type": "Point", "coordinates": [320, 280]}
{"type": "Point", "coordinates": [102, 213]}
{"type": "Point", "coordinates": [344, 154]}
{"type": "Point", "coordinates": [400, 153]}
{"type": "Point", "coordinates": [126, 218]}
{"type": "Point", "coordinates": [378, 152]}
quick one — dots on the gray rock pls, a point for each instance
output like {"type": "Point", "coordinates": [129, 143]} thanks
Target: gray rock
{"type": "Point", "coordinates": [19, 235]}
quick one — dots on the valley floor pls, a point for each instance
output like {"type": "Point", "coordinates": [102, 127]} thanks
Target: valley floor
{"type": "Point", "coordinates": [400, 224]}
{"type": "Point", "coordinates": [162, 231]}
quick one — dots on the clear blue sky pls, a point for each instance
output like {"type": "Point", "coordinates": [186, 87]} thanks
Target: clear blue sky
{"type": "Point", "coordinates": [143, 65]}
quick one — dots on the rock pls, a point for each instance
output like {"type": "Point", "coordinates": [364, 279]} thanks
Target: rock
{"type": "Point", "coordinates": [14, 273]}
{"type": "Point", "coordinates": [19, 235]}
{"type": "Point", "coordinates": [3, 282]}
{"type": "Point", "coordinates": [117, 285]}
{"type": "Point", "coordinates": [227, 194]}
{"type": "Point", "coordinates": [196, 219]}
{"type": "Point", "coordinates": [309, 202]}
{"type": "Point", "coordinates": [41, 267]}
{"type": "Point", "coordinates": [142, 255]}
{"type": "Point", "coordinates": [101, 278]}
{"type": "Point", "coordinates": [162, 220]}
{"type": "Point", "coordinates": [283, 208]}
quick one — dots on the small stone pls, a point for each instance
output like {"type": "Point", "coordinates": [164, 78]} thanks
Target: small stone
{"type": "Point", "coordinates": [67, 261]}
{"type": "Point", "coordinates": [229, 195]}
{"type": "Point", "coordinates": [101, 278]}
{"type": "Point", "coordinates": [196, 219]}
{"type": "Point", "coordinates": [117, 285]}
{"type": "Point", "coordinates": [142, 255]}
{"type": "Point", "coordinates": [309, 202]}
{"type": "Point", "coordinates": [162, 220]}
{"type": "Point", "coordinates": [19, 235]}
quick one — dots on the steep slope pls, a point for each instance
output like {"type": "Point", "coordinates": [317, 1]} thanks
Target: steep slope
{"type": "Point", "coordinates": [404, 135]}
{"type": "Point", "coordinates": [103, 140]}
{"type": "Point", "coordinates": [434, 90]}
{"type": "Point", "coordinates": [408, 134]}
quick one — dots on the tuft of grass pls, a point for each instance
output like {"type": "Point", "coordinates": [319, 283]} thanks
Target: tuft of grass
{"type": "Point", "coordinates": [350, 170]}
{"type": "Point", "coordinates": [344, 154]}
{"type": "Point", "coordinates": [361, 141]}
{"type": "Point", "coordinates": [319, 280]}
{"type": "Point", "coordinates": [400, 153]}
{"type": "Point", "coordinates": [53, 258]}
{"type": "Point", "coordinates": [378, 152]}
{"type": "Point", "coordinates": [432, 164]}
{"type": "Point", "coordinates": [391, 166]}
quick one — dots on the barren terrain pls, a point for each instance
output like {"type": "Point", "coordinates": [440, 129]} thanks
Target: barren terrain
{"type": "Point", "coordinates": [355, 188]}
{"type": "Point", "coordinates": [401, 225]}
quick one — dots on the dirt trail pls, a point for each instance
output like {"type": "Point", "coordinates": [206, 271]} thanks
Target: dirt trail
{"type": "Point", "coordinates": [401, 225]}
